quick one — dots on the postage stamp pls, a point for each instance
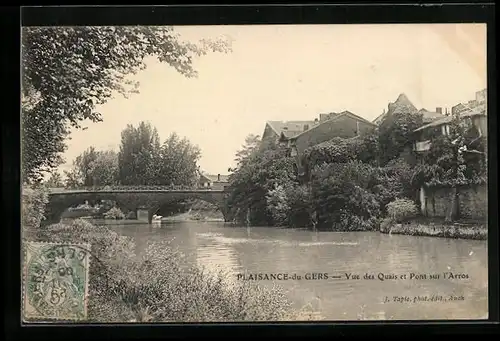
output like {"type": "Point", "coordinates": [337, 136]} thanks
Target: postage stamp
{"type": "Point", "coordinates": [56, 281]}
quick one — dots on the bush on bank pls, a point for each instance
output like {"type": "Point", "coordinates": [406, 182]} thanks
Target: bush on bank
{"type": "Point", "coordinates": [114, 213]}
{"type": "Point", "coordinates": [160, 285]}
{"type": "Point", "coordinates": [34, 201]}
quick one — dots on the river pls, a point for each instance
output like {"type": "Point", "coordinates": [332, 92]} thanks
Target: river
{"type": "Point", "coordinates": [264, 250]}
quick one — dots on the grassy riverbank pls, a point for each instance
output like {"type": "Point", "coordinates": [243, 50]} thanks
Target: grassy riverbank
{"type": "Point", "coordinates": [476, 231]}
{"type": "Point", "coordinates": [158, 285]}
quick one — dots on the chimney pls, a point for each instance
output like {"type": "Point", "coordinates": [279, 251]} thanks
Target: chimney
{"type": "Point", "coordinates": [218, 177]}
{"type": "Point", "coordinates": [439, 110]}
{"type": "Point", "coordinates": [306, 127]}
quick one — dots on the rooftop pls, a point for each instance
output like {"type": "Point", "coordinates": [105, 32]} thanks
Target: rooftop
{"type": "Point", "coordinates": [291, 128]}
{"type": "Point", "coordinates": [430, 116]}
{"type": "Point", "coordinates": [336, 117]}
{"type": "Point", "coordinates": [477, 111]}
{"type": "Point", "coordinates": [214, 178]}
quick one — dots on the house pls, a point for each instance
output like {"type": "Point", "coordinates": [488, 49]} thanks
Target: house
{"type": "Point", "coordinates": [216, 182]}
{"type": "Point", "coordinates": [344, 125]}
{"type": "Point", "coordinates": [474, 113]}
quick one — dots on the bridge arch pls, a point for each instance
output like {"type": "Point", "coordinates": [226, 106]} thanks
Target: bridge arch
{"type": "Point", "coordinates": [130, 199]}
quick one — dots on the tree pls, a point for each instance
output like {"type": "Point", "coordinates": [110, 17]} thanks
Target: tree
{"type": "Point", "coordinates": [258, 174]}
{"type": "Point", "coordinates": [178, 162]}
{"type": "Point", "coordinates": [138, 159]}
{"type": "Point", "coordinates": [342, 195]}
{"type": "Point", "coordinates": [93, 168]}
{"type": "Point", "coordinates": [68, 71]}
{"type": "Point", "coordinates": [81, 172]}
{"type": "Point", "coordinates": [252, 142]}
{"type": "Point", "coordinates": [55, 180]}
{"type": "Point", "coordinates": [395, 134]}
{"type": "Point", "coordinates": [104, 168]}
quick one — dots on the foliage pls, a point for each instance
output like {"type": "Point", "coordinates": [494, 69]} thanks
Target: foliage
{"type": "Point", "coordinates": [104, 168]}
{"type": "Point", "coordinates": [139, 156]}
{"type": "Point", "coordinates": [252, 143]}
{"type": "Point", "coordinates": [337, 150]}
{"type": "Point", "coordinates": [93, 168]}
{"type": "Point", "coordinates": [393, 181]}
{"type": "Point", "coordinates": [259, 173]}
{"type": "Point", "coordinates": [33, 203]}
{"type": "Point", "coordinates": [342, 197]}
{"type": "Point", "coordinates": [366, 147]}
{"type": "Point", "coordinates": [143, 160]}
{"type": "Point", "coordinates": [456, 159]}
{"type": "Point", "coordinates": [114, 213]}
{"type": "Point", "coordinates": [159, 285]}
{"type": "Point", "coordinates": [363, 148]}
{"type": "Point", "coordinates": [277, 204]}
{"type": "Point", "coordinates": [299, 199]}
{"type": "Point", "coordinates": [401, 210]}
{"type": "Point", "coordinates": [55, 180]}
{"type": "Point", "coordinates": [396, 134]}
{"type": "Point", "coordinates": [68, 71]}
{"type": "Point", "coordinates": [178, 162]}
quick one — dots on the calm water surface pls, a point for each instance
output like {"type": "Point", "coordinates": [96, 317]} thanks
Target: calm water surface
{"type": "Point", "coordinates": [253, 250]}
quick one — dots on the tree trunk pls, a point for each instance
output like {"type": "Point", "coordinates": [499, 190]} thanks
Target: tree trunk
{"type": "Point", "coordinates": [451, 215]}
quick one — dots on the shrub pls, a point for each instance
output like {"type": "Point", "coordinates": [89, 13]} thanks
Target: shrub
{"type": "Point", "coordinates": [114, 213]}
{"type": "Point", "coordinates": [159, 285]}
{"type": "Point", "coordinates": [386, 224]}
{"type": "Point", "coordinates": [33, 203]}
{"type": "Point", "coordinates": [299, 201]}
{"type": "Point", "coordinates": [400, 210]}
{"type": "Point", "coordinates": [277, 204]}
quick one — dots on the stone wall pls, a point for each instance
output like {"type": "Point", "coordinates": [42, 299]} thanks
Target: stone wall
{"type": "Point", "coordinates": [473, 201]}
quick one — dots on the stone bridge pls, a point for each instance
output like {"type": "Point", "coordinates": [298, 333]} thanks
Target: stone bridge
{"type": "Point", "coordinates": [150, 198]}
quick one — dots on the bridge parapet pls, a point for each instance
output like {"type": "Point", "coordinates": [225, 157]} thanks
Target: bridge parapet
{"type": "Point", "coordinates": [94, 189]}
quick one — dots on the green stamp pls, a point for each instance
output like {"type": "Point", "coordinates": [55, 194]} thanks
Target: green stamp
{"type": "Point", "coordinates": [56, 281]}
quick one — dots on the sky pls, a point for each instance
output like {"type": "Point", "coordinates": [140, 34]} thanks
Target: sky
{"type": "Point", "coordinates": [292, 72]}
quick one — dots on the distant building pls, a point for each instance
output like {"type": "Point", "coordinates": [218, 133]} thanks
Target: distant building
{"type": "Point", "coordinates": [216, 182]}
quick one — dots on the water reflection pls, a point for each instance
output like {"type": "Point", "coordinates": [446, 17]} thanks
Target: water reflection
{"type": "Point", "coordinates": [270, 250]}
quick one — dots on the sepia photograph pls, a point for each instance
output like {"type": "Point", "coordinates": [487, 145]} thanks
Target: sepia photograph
{"type": "Point", "coordinates": [244, 173]}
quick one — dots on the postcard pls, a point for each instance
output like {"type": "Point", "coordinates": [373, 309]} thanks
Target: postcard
{"type": "Point", "coordinates": [254, 173]}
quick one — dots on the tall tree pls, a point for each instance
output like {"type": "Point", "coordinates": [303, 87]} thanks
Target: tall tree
{"type": "Point", "coordinates": [93, 168]}
{"type": "Point", "coordinates": [68, 71]}
{"type": "Point", "coordinates": [138, 159]}
{"type": "Point", "coordinates": [252, 142]}
{"type": "Point", "coordinates": [104, 168]}
{"type": "Point", "coordinates": [81, 172]}
{"type": "Point", "coordinates": [179, 160]}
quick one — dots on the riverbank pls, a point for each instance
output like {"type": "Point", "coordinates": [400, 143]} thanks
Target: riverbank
{"type": "Point", "coordinates": [443, 230]}
{"type": "Point", "coordinates": [196, 215]}
{"type": "Point", "coordinates": [134, 288]}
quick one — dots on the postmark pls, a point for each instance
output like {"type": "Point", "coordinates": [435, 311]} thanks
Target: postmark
{"type": "Point", "coordinates": [56, 281]}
